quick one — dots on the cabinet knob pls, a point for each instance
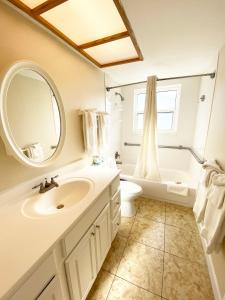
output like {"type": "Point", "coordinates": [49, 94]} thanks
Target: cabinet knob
{"type": "Point", "coordinates": [93, 233]}
{"type": "Point", "coordinates": [118, 223]}
{"type": "Point", "coordinates": [97, 226]}
{"type": "Point", "coordinates": [117, 203]}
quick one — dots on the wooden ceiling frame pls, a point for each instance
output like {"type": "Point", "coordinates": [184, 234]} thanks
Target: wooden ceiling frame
{"type": "Point", "coordinates": [36, 12]}
{"type": "Point", "coordinates": [45, 6]}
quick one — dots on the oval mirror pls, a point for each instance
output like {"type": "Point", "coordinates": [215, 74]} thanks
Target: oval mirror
{"type": "Point", "coordinates": [31, 115]}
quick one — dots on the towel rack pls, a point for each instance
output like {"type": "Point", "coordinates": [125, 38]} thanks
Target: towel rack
{"type": "Point", "coordinates": [180, 147]}
{"type": "Point", "coordinates": [81, 112]}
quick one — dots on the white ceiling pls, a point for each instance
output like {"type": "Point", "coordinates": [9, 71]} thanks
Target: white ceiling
{"type": "Point", "coordinates": [177, 37]}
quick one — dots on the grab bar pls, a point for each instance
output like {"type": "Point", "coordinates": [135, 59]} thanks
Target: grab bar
{"type": "Point", "coordinates": [180, 147]}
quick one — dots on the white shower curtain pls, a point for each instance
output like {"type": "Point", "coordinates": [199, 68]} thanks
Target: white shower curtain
{"type": "Point", "coordinates": [147, 162]}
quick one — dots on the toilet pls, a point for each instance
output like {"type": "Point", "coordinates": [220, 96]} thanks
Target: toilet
{"type": "Point", "coordinates": [129, 192]}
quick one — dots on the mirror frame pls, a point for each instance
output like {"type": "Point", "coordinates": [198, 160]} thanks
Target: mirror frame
{"type": "Point", "coordinates": [11, 147]}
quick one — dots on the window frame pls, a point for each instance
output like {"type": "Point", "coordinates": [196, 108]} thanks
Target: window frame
{"type": "Point", "coordinates": [173, 87]}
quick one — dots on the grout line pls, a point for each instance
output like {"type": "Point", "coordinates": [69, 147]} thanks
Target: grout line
{"type": "Point", "coordinates": [110, 286]}
{"type": "Point", "coordinates": [164, 253]}
{"type": "Point", "coordinates": [127, 238]}
{"type": "Point", "coordinates": [184, 258]}
{"type": "Point", "coordinates": [138, 286]}
{"type": "Point", "coordinates": [142, 243]}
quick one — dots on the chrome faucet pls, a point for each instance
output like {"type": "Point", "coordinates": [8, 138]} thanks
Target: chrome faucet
{"type": "Point", "coordinates": [47, 186]}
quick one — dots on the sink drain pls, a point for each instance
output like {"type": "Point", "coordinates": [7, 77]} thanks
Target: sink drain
{"type": "Point", "coordinates": [60, 206]}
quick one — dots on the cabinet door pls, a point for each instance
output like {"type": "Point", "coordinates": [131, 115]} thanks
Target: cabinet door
{"type": "Point", "coordinates": [81, 266]}
{"type": "Point", "coordinates": [103, 235]}
{"type": "Point", "coordinates": [52, 291]}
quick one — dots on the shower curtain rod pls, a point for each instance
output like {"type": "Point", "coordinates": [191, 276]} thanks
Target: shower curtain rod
{"type": "Point", "coordinates": [212, 75]}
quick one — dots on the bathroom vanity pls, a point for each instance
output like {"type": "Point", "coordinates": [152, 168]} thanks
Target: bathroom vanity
{"type": "Point", "coordinates": [58, 256]}
{"type": "Point", "coordinates": [55, 235]}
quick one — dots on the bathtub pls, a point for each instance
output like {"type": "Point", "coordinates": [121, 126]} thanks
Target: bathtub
{"type": "Point", "coordinates": [158, 190]}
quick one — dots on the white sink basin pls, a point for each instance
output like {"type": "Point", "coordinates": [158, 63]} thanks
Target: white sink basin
{"type": "Point", "coordinates": [59, 199]}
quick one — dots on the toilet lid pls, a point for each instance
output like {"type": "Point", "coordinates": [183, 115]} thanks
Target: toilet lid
{"type": "Point", "coordinates": [130, 187]}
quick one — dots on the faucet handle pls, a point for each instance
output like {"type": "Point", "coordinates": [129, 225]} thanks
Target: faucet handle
{"type": "Point", "coordinates": [47, 184]}
{"type": "Point", "coordinates": [53, 181]}
{"type": "Point", "coordinates": [38, 185]}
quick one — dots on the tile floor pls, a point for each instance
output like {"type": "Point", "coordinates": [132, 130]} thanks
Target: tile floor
{"type": "Point", "coordinates": [156, 255]}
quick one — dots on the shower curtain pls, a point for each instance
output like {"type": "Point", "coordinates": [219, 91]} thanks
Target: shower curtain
{"type": "Point", "coordinates": [147, 162]}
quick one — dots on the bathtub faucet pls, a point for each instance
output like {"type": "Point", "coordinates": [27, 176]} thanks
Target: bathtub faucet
{"type": "Point", "coordinates": [117, 155]}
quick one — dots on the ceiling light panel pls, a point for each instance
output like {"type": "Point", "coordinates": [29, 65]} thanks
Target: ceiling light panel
{"type": "Point", "coordinates": [33, 3]}
{"type": "Point", "coordinates": [84, 21]}
{"type": "Point", "coordinates": [118, 50]}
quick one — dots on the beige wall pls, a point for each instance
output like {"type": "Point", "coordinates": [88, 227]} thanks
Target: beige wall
{"type": "Point", "coordinates": [79, 82]}
{"type": "Point", "coordinates": [215, 149]}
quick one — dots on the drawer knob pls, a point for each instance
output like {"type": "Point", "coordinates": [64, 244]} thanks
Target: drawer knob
{"type": "Point", "coordinates": [118, 223]}
{"type": "Point", "coordinates": [117, 203]}
{"type": "Point", "coordinates": [93, 233]}
{"type": "Point", "coordinates": [97, 226]}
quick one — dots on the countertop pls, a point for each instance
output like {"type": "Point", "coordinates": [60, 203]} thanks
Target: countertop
{"type": "Point", "coordinates": [24, 241]}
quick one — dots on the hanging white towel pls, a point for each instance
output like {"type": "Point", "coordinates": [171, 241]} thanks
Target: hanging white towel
{"type": "Point", "coordinates": [212, 229]}
{"type": "Point", "coordinates": [90, 132]}
{"type": "Point", "coordinates": [102, 132]}
{"type": "Point", "coordinates": [216, 193]}
{"type": "Point", "coordinates": [147, 164]}
{"type": "Point", "coordinates": [210, 170]}
{"type": "Point", "coordinates": [177, 188]}
{"type": "Point", "coordinates": [34, 151]}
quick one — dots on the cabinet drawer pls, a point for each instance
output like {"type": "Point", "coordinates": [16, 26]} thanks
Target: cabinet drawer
{"type": "Point", "coordinates": [115, 204]}
{"type": "Point", "coordinates": [115, 224]}
{"type": "Point", "coordinates": [79, 229]}
{"type": "Point", "coordinates": [114, 187]}
{"type": "Point", "coordinates": [37, 281]}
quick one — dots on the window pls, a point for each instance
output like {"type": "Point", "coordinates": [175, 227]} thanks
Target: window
{"type": "Point", "coordinates": [167, 108]}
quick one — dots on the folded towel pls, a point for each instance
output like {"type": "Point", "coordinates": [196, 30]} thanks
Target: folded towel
{"type": "Point", "coordinates": [213, 227]}
{"type": "Point", "coordinates": [177, 188]}
{"type": "Point", "coordinates": [34, 151]}
{"type": "Point", "coordinates": [210, 171]}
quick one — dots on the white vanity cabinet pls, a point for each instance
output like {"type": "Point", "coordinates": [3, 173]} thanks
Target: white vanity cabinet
{"type": "Point", "coordinates": [52, 291]}
{"type": "Point", "coordinates": [81, 266]}
{"type": "Point", "coordinates": [102, 235]}
{"type": "Point", "coordinates": [42, 284]}
{"type": "Point", "coordinates": [115, 205]}
{"type": "Point", "coordinates": [86, 259]}
{"type": "Point", "coordinates": [70, 267]}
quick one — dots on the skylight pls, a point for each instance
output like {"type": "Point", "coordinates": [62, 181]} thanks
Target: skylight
{"type": "Point", "coordinates": [98, 29]}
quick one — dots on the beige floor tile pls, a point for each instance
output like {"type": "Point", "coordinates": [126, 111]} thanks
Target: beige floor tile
{"type": "Point", "coordinates": [152, 209]}
{"type": "Point", "coordinates": [148, 232]}
{"type": "Point", "coordinates": [180, 216]}
{"type": "Point", "coordinates": [125, 226]}
{"type": "Point", "coordinates": [142, 266]}
{"type": "Point", "coordinates": [183, 243]}
{"type": "Point", "coordinates": [101, 286]}
{"type": "Point", "coordinates": [115, 254]}
{"type": "Point", "coordinates": [123, 290]}
{"type": "Point", "coordinates": [185, 280]}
